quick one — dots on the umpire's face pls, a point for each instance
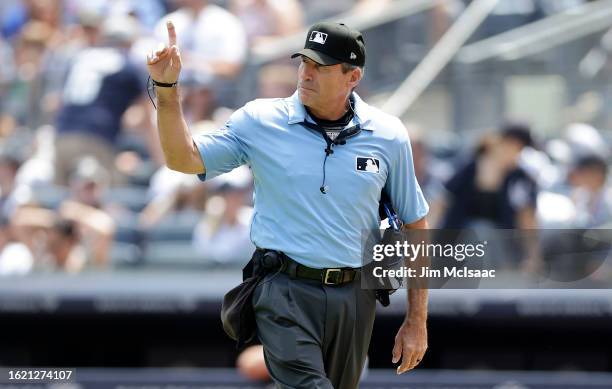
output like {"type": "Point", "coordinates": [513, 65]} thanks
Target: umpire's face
{"type": "Point", "coordinates": [321, 87]}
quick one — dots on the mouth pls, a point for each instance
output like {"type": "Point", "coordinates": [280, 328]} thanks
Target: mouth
{"type": "Point", "coordinates": [307, 89]}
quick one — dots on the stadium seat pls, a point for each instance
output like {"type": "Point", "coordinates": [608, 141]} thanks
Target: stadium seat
{"type": "Point", "coordinates": [127, 229]}
{"type": "Point", "coordinates": [125, 254]}
{"type": "Point", "coordinates": [127, 141]}
{"type": "Point", "coordinates": [178, 226]}
{"type": "Point", "coordinates": [133, 198]}
{"type": "Point", "coordinates": [142, 175]}
{"type": "Point", "coordinates": [49, 196]}
{"type": "Point", "coordinates": [172, 254]}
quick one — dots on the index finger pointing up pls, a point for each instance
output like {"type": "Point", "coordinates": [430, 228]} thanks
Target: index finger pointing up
{"type": "Point", "coordinates": [171, 33]}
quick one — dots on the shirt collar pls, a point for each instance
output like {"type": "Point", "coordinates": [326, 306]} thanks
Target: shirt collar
{"type": "Point", "coordinates": [298, 114]}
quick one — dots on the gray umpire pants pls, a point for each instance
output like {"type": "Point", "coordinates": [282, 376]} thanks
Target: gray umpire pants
{"type": "Point", "coordinates": [313, 335]}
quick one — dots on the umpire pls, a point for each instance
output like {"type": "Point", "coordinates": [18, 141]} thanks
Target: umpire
{"type": "Point", "coordinates": [320, 160]}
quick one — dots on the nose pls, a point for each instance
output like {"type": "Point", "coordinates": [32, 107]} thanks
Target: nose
{"type": "Point", "coordinates": [307, 72]}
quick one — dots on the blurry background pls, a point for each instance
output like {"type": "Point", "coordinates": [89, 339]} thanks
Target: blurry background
{"type": "Point", "coordinates": [110, 260]}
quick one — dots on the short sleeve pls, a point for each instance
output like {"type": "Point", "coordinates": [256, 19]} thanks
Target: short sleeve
{"type": "Point", "coordinates": [402, 186]}
{"type": "Point", "coordinates": [522, 192]}
{"type": "Point", "coordinates": [223, 150]}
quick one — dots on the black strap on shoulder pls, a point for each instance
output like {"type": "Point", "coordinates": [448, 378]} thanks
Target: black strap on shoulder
{"type": "Point", "coordinates": [339, 140]}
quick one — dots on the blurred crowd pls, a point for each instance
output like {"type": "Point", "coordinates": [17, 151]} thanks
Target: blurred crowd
{"type": "Point", "coordinates": [82, 181]}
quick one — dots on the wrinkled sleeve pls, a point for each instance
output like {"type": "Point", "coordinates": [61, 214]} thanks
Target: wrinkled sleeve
{"type": "Point", "coordinates": [402, 186]}
{"type": "Point", "coordinates": [224, 149]}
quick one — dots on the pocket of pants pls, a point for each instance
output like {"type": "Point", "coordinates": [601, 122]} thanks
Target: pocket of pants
{"type": "Point", "coordinates": [257, 295]}
{"type": "Point", "coordinates": [263, 290]}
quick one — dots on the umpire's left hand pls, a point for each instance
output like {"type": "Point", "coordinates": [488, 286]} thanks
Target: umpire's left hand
{"type": "Point", "coordinates": [410, 345]}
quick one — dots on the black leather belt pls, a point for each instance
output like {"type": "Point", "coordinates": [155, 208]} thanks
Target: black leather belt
{"type": "Point", "coordinates": [276, 260]}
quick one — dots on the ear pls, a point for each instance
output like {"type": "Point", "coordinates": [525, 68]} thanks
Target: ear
{"type": "Point", "coordinates": [356, 75]}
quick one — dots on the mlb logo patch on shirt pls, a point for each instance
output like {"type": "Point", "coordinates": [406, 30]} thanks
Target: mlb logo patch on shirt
{"type": "Point", "coordinates": [368, 164]}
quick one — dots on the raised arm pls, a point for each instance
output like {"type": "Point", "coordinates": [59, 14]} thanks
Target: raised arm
{"type": "Point", "coordinates": [177, 144]}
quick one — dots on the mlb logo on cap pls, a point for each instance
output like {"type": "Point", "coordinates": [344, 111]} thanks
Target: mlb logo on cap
{"type": "Point", "coordinates": [368, 164]}
{"type": "Point", "coordinates": [318, 37]}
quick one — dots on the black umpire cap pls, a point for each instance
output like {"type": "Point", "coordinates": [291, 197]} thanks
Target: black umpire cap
{"type": "Point", "coordinates": [330, 43]}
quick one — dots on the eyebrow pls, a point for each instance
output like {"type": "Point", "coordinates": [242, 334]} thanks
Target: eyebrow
{"type": "Point", "coordinates": [318, 65]}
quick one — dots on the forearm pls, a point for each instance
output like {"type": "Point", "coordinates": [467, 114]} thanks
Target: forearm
{"type": "Point", "coordinates": [33, 217]}
{"type": "Point", "coordinates": [418, 292]}
{"type": "Point", "coordinates": [528, 224]}
{"type": "Point", "coordinates": [179, 150]}
{"type": "Point", "coordinates": [100, 251]}
{"type": "Point", "coordinates": [97, 221]}
{"type": "Point", "coordinates": [417, 305]}
{"type": "Point", "coordinates": [157, 209]}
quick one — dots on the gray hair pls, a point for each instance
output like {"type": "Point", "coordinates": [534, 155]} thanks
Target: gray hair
{"type": "Point", "coordinates": [347, 67]}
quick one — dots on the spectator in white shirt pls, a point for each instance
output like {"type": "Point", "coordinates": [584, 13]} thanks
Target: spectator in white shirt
{"type": "Point", "coordinates": [213, 41]}
{"type": "Point", "coordinates": [15, 257]}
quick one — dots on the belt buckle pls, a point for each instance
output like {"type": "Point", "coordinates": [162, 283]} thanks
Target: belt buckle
{"type": "Point", "coordinates": [329, 273]}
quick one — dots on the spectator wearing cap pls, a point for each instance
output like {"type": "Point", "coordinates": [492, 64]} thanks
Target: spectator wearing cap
{"type": "Point", "coordinates": [76, 235]}
{"type": "Point", "coordinates": [64, 248]}
{"type": "Point", "coordinates": [57, 242]}
{"type": "Point", "coordinates": [590, 193]}
{"type": "Point", "coordinates": [89, 182]}
{"type": "Point", "coordinates": [171, 191]}
{"type": "Point", "coordinates": [492, 186]}
{"type": "Point", "coordinates": [585, 140]}
{"type": "Point", "coordinates": [102, 84]}
{"type": "Point", "coordinates": [95, 226]}
{"type": "Point", "coordinates": [492, 191]}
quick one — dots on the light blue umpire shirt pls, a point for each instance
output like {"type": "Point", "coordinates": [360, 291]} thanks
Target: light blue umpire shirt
{"type": "Point", "coordinates": [291, 214]}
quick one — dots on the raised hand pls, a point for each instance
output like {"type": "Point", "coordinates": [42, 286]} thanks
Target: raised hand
{"type": "Point", "coordinates": [164, 65]}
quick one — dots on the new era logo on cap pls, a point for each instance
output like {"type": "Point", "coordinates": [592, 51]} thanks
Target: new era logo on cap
{"type": "Point", "coordinates": [368, 164]}
{"type": "Point", "coordinates": [318, 37]}
{"type": "Point", "coordinates": [353, 55]}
